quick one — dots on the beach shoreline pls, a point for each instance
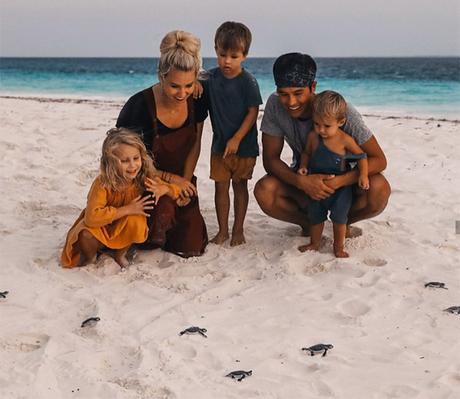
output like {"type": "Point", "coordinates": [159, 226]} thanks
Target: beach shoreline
{"type": "Point", "coordinates": [260, 302]}
{"type": "Point", "coordinates": [119, 101]}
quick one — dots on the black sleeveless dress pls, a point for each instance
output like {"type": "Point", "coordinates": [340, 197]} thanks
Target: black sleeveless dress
{"type": "Point", "coordinates": [180, 230]}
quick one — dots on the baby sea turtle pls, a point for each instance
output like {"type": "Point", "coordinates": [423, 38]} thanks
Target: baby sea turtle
{"type": "Point", "coordinates": [239, 374]}
{"type": "Point", "coordinates": [435, 284]}
{"type": "Point", "coordinates": [4, 294]}
{"type": "Point", "coordinates": [194, 330]}
{"type": "Point", "coordinates": [91, 322]}
{"type": "Point", "coordinates": [317, 349]}
{"type": "Point", "coordinates": [453, 309]}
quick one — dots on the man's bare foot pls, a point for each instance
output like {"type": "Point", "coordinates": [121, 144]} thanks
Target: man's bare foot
{"type": "Point", "coordinates": [353, 231]}
{"type": "Point", "coordinates": [309, 247]}
{"type": "Point", "coordinates": [220, 238]}
{"type": "Point", "coordinates": [237, 239]}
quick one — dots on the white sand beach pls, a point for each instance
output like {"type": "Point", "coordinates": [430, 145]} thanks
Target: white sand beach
{"type": "Point", "coordinates": [260, 302]}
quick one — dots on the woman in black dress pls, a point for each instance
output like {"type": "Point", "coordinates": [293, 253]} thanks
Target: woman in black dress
{"type": "Point", "coordinates": [170, 122]}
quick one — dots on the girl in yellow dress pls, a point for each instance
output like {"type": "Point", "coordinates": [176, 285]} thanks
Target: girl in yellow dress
{"type": "Point", "coordinates": [116, 212]}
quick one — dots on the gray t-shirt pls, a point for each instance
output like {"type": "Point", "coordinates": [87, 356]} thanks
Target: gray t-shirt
{"type": "Point", "coordinates": [228, 102]}
{"type": "Point", "coordinates": [277, 122]}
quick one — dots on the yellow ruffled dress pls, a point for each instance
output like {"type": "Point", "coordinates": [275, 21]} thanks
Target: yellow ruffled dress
{"type": "Point", "coordinates": [98, 216]}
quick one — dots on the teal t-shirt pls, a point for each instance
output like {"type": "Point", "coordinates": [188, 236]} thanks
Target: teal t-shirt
{"type": "Point", "coordinates": [228, 101]}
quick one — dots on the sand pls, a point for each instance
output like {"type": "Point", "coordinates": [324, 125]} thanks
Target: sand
{"type": "Point", "coordinates": [260, 302]}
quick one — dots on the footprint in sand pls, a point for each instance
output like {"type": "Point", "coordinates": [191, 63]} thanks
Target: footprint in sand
{"type": "Point", "coordinates": [185, 349]}
{"type": "Point", "coordinates": [402, 391]}
{"type": "Point", "coordinates": [354, 272]}
{"type": "Point", "coordinates": [354, 308]}
{"type": "Point", "coordinates": [322, 389]}
{"type": "Point", "coordinates": [144, 390]}
{"type": "Point", "coordinates": [375, 262]}
{"type": "Point", "coordinates": [25, 342]}
{"type": "Point", "coordinates": [368, 281]}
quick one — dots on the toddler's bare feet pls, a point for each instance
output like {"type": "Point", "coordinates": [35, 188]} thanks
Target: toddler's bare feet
{"type": "Point", "coordinates": [340, 253]}
{"type": "Point", "coordinates": [309, 247]}
{"type": "Point", "coordinates": [237, 239]}
{"type": "Point", "coordinates": [220, 238]}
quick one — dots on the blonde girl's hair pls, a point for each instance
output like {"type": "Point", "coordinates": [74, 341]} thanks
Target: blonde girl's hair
{"type": "Point", "coordinates": [179, 50]}
{"type": "Point", "coordinates": [110, 169]}
{"type": "Point", "coordinates": [330, 104]}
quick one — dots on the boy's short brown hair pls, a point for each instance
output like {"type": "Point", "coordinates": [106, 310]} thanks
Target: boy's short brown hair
{"type": "Point", "coordinates": [330, 104]}
{"type": "Point", "coordinates": [233, 36]}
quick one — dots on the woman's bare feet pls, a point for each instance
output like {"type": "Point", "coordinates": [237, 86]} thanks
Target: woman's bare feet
{"type": "Point", "coordinates": [220, 238]}
{"type": "Point", "coordinates": [309, 247]}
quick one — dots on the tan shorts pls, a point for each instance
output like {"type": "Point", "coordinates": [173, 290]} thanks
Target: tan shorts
{"type": "Point", "coordinates": [232, 167]}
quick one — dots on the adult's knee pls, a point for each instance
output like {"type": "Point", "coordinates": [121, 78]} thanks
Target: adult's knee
{"type": "Point", "coordinates": [264, 192]}
{"type": "Point", "coordinates": [379, 195]}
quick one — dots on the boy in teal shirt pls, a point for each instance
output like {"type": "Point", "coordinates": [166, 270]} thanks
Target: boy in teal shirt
{"type": "Point", "coordinates": [233, 98]}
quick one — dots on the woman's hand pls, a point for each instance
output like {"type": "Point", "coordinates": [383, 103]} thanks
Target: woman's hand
{"type": "Point", "coordinates": [139, 205]}
{"type": "Point", "coordinates": [157, 188]}
{"type": "Point", "coordinates": [188, 189]}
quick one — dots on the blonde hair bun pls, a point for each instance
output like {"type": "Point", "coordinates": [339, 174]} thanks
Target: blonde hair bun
{"type": "Point", "coordinates": [179, 50]}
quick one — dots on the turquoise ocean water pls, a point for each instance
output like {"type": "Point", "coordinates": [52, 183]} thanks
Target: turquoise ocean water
{"type": "Point", "coordinates": [428, 87]}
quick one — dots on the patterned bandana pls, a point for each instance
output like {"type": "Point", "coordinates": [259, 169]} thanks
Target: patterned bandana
{"type": "Point", "coordinates": [296, 77]}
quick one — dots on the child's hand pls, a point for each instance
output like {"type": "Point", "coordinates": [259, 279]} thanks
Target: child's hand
{"type": "Point", "coordinates": [302, 171]}
{"type": "Point", "coordinates": [139, 205]}
{"type": "Point", "coordinates": [363, 182]}
{"type": "Point", "coordinates": [157, 187]}
{"type": "Point", "coordinates": [232, 146]}
{"type": "Point", "coordinates": [183, 201]}
{"type": "Point", "coordinates": [198, 90]}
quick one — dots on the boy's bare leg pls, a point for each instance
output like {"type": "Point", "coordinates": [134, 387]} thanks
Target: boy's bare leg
{"type": "Point", "coordinates": [89, 246]}
{"type": "Point", "coordinates": [316, 231]}
{"type": "Point", "coordinates": [120, 256]}
{"type": "Point", "coordinates": [240, 203]}
{"type": "Point", "coordinates": [339, 240]}
{"type": "Point", "coordinates": [222, 202]}
{"type": "Point", "coordinates": [282, 201]}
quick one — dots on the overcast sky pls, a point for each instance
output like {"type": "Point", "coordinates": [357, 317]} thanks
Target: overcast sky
{"type": "Point", "coordinates": [134, 28]}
